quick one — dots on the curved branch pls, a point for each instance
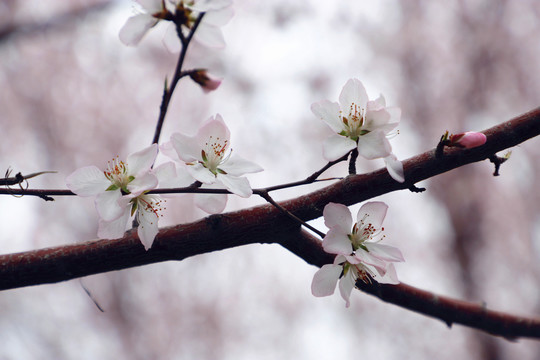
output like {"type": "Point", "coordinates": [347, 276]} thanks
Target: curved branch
{"type": "Point", "coordinates": [266, 224]}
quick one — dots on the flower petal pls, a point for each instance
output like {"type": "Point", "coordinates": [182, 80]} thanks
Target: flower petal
{"type": "Point", "coordinates": [211, 203]}
{"type": "Point", "coordinates": [87, 181]}
{"type": "Point", "coordinates": [375, 211]}
{"type": "Point", "coordinates": [210, 36]}
{"type": "Point", "coordinates": [390, 276]}
{"type": "Point", "coordinates": [237, 185]}
{"type": "Point", "coordinates": [330, 113]}
{"type": "Point", "coordinates": [374, 145]}
{"type": "Point", "coordinates": [168, 150]}
{"type": "Point", "coordinates": [113, 229]}
{"type": "Point", "coordinates": [325, 280]}
{"type": "Point", "coordinates": [151, 6]}
{"type": "Point", "coordinates": [148, 226]}
{"type": "Point", "coordinates": [142, 183]}
{"type": "Point", "coordinates": [337, 215]}
{"type": "Point", "coordinates": [395, 168]}
{"type": "Point", "coordinates": [384, 252]}
{"type": "Point", "coordinates": [142, 161]}
{"type": "Point", "coordinates": [187, 147]}
{"type": "Point", "coordinates": [214, 128]}
{"type": "Point", "coordinates": [218, 17]}
{"type": "Point", "coordinates": [107, 205]}
{"type": "Point", "coordinates": [208, 5]}
{"type": "Point", "coordinates": [395, 114]}
{"type": "Point", "coordinates": [353, 93]}
{"type": "Point", "coordinates": [337, 242]}
{"type": "Point", "coordinates": [376, 119]}
{"type": "Point", "coordinates": [238, 166]}
{"type": "Point", "coordinates": [171, 176]}
{"type": "Point", "coordinates": [346, 284]}
{"type": "Point", "coordinates": [135, 28]}
{"type": "Point", "coordinates": [171, 40]}
{"type": "Point", "coordinates": [202, 174]}
{"type": "Point", "coordinates": [336, 146]}
{"type": "Point", "coordinates": [377, 104]}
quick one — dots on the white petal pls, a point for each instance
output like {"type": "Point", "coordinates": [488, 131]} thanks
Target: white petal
{"type": "Point", "coordinates": [151, 6]}
{"type": "Point", "coordinates": [148, 226]}
{"type": "Point", "coordinates": [168, 150]}
{"type": "Point", "coordinates": [218, 17]}
{"type": "Point", "coordinates": [210, 36]}
{"type": "Point", "coordinates": [171, 176]}
{"type": "Point", "coordinates": [202, 174]}
{"type": "Point", "coordinates": [346, 284]}
{"type": "Point", "coordinates": [211, 203]}
{"type": "Point", "coordinates": [395, 168]}
{"type": "Point", "coordinates": [330, 113]}
{"type": "Point", "coordinates": [187, 147]}
{"type": "Point", "coordinates": [336, 146]}
{"type": "Point", "coordinates": [107, 205]}
{"type": "Point", "coordinates": [377, 104]}
{"type": "Point", "coordinates": [376, 211]}
{"type": "Point", "coordinates": [171, 40]}
{"type": "Point", "coordinates": [238, 166]}
{"type": "Point", "coordinates": [142, 161]}
{"type": "Point", "coordinates": [353, 93]}
{"type": "Point", "coordinates": [390, 277]}
{"type": "Point", "coordinates": [325, 280]}
{"type": "Point", "coordinates": [87, 181]}
{"type": "Point", "coordinates": [237, 185]}
{"type": "Point", "coordinates": [142, 183]}
{"type": "Point", "coordinates": [113, 229]}
{"type": "Point", "coordinates": [208, 5]}
{"type": "Point", "coordinates": [395, 114]}
{"type": "Point", "coordinates": [337, 215]}
{"type": "Point", "coordinates": [214, 128]}
{"type": "Point", "coordinates": [376, 119]}
{"type": "Point", "coordinates": [337, 242]}
{"type": "Point", "coordinates": [135, 28]}
{"type": "Point", "coordinates": [384, 252]}
{"type": "Point", "coordinates": [374, 145]}
{"type": "Point", "coordinates": [367, 258]}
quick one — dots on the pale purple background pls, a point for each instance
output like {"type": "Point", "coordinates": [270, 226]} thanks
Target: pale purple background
{"type": "Point", "coordinates": [73, 95]}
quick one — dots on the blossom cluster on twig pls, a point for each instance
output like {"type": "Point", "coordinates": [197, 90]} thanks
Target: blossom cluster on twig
{"type": "Point", "coordinates": [362, 127]}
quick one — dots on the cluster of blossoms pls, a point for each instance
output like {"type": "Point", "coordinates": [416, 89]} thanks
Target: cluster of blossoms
{"type": "Point", "coordinates": [206, 160]}
{"type": "Point", "coordinates": [361, 124]}
{"type": "Point", "coordinates": [209, 159]}
{"type": "Point", "coordinates": [183, 14]}
{"type": "Point", "coordinates": [121, 190]}
{"type": "Point", "coordinates": [359, 255]}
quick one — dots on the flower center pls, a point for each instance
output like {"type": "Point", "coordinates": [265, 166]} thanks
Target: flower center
{"type": "Point", "coordinates": [184, 15]}
{"type": "Point", "coordinates": [354, 123]}
{"type": "Point", "coordinates": [117, 174]}
{"type": "Point", "coordinates": [214, 154]}
{"type": "Point", "coordinates": [362, 232]}
{"type": "Point", "coordinates": [147, 203]}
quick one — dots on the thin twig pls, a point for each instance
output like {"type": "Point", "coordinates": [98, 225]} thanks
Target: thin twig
{"type": "Point", "coordinates": [267, 197]}
{"type": "Point", "coordinates": [168, 90]}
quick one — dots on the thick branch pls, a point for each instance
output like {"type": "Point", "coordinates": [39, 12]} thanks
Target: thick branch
{"type": "Point", "coordinates": [266, 224]}
{"type": "Point", "coordinates": [450, 311]}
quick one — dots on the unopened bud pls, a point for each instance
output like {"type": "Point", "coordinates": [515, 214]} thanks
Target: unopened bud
{"type": "Point", "coordinates": [469, 139]}
{"type": "Point", "coordinates": [202, 78]}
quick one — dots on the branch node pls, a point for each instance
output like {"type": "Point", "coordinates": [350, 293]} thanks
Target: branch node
{"type": "Point", "coordinates": [498, 161]}
{"type": "Point", "coordinates": [352, 161]}
{"type": "Point", "coordinates": [413, 188]}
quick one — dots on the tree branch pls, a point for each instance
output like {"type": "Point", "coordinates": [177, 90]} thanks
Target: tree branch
{"type": "Point", "coordinates": [266, 224]}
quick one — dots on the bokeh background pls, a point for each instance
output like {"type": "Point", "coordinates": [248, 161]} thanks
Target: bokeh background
{"type": "Point", "coordinates": [72, 95]}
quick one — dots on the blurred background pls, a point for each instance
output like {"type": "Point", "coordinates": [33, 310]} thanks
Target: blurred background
{"type": "Point", "coordinates": [72, 95]}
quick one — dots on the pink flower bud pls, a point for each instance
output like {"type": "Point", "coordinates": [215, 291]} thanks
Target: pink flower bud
{"type": "Point", "coordinates": [469, 139]}
{"type": "Point", "coordinates": [202, 78]}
